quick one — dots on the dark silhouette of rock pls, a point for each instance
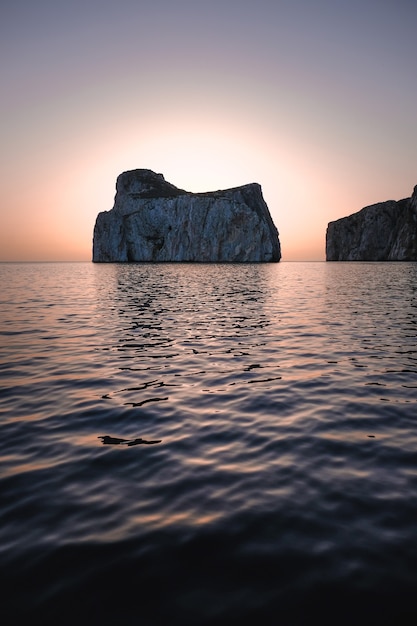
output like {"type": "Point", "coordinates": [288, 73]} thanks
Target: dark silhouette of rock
{"type": "Point", "coordinates": [154, 221]}
{"type": "Point", "coordinates": [381, 232]}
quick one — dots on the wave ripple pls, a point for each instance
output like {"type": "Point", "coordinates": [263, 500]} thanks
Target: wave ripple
{"type": "Point", "coordinates": [191, 444]}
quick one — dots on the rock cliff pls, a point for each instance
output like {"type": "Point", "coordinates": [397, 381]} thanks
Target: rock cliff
{"type": "Point", "coordinates": [152, 220]}
{"type": "Point", "coordinates": [381, 232]}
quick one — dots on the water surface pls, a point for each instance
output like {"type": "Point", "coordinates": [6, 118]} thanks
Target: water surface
{"type": "Point", "coordinates": [260, 460]}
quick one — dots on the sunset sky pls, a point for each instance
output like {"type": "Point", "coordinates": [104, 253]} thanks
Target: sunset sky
{"type": "Point", "coordinates": [316, 100]}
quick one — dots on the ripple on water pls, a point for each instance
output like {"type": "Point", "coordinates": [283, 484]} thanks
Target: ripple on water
{"type": "Point", "coordinates": [209, 443]}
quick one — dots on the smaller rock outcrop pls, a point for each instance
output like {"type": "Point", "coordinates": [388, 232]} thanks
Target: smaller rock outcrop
{"type": "Point", "coordinates": [154, 221]}
{"type": "Point", "coordinates": [386, 231]}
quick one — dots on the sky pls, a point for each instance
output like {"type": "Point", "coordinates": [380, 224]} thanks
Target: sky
{"type": "Point", "coordinates": [315, 100]}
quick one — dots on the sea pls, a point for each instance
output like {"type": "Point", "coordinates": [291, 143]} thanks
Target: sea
{"type": "Point", "coordinates": [204, 444]}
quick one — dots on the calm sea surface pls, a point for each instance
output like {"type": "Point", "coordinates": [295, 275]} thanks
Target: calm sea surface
{"type": "Point", "coordinates": [208, 444]}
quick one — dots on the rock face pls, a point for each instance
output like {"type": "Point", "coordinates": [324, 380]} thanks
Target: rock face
{"type": "Point", "coordinates": [381, 232]}
{"type": "Point", "coordinates": [155, 221]}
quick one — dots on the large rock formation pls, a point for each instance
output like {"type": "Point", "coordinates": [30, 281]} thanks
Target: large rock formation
{"type": "Point", "coordinates": [153, 220]}
{"type": "Point", "coordinates": [381, 232]}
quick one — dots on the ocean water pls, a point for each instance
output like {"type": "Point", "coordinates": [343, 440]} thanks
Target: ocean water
{"type": "Point", "coordinates": [208, 444]}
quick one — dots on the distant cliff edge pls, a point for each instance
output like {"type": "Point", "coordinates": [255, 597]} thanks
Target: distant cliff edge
{"type": "Point", "coordinates": [386, 231]}
{"type": "Point", "coordinates": [154, 221]}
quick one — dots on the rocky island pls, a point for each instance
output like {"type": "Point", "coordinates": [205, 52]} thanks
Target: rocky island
{"type": "Point", "coordinates": [386, 231]}
{"type": "Point", "coordinates": [154, 221]}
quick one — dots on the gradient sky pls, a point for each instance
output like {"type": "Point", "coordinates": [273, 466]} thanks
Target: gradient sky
{"type": "Point", "coordinates": [316, 100]}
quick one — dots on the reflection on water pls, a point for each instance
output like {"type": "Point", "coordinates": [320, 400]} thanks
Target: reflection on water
{"type": "Point", "coordinates": [282, 399]}
{"type": "Point", "coordinates": [116, 441]}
